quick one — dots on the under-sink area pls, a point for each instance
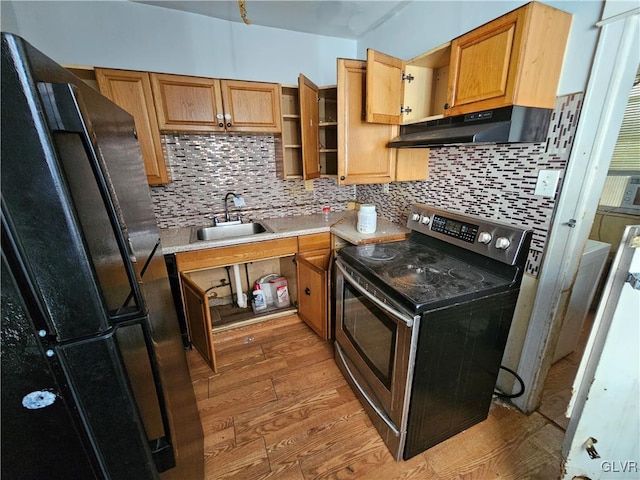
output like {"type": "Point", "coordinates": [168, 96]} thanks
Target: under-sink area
{"type": "Point", "coordinates": [223, 232]}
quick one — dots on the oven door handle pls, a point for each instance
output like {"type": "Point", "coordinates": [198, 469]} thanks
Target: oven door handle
{"type": "Point", "coordinates": [383, 416]}
{"type": "Point", "coordinates": [390, 310]}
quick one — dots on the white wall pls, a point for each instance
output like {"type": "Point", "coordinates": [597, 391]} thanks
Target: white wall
{"type": "Point", "coordinates": [129, 35]}
{"type": "Point", "coordinates": [120, 34]}
{"type": "Point", "coordinates": [426, 24]}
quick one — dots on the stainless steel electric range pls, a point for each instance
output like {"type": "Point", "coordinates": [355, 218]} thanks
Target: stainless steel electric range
{"type": "Point", "coordinates": [421, 324]}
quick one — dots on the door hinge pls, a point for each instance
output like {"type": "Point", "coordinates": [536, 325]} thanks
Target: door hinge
{"type": "Point", "coordinates": [634, 280]}
{"type": "Point", "coordinates": [407, 77]}
{"type": "Point", "coordinates": [406, 110]}
{"type": "Point", "coordinates": [591, 450]}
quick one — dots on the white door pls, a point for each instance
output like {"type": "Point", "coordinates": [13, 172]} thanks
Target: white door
{"type": "Point", "coordinates": [603, 436]}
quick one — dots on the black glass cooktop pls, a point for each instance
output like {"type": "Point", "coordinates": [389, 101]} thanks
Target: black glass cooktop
{"type": "Point", "coordinates": [425, 275]}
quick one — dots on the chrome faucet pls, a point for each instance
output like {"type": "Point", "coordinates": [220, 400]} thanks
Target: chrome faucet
{"type": "Point", "coordinates": [227, 216]}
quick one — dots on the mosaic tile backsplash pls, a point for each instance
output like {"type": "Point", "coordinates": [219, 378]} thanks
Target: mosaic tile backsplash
{"type": "Point", "coordinates": [204, 168]}
{"type": "Point", "coordinates": [492, 181]}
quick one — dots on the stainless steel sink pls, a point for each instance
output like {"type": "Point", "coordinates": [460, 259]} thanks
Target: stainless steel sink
{"type": "Point", "coordinates": [227, 231]}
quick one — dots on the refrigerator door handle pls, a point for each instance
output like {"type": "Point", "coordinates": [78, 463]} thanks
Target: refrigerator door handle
{"type": "Point", "coordinates": [142, 272]}
{"type": "Point", "coordinates": [64, 111]}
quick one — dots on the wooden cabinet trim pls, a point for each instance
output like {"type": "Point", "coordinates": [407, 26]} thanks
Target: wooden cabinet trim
{"type": "Point", "coordinates": [314, 241]}
{"type": "Point", "coordinates": [412, 164]}
{"type": "Point", "coordinates": [223, 256]}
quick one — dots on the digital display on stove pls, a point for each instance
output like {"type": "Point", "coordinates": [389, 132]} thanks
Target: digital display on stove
{"type": "Point", "coordinates": [453, 227]}
{"type": "Point", "coordinates": [463, 231]}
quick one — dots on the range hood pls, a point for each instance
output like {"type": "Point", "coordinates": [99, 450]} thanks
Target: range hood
{"type": "Point", "coordinates": [512, 124]}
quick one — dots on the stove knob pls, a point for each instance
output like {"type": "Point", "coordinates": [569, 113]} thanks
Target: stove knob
{"type": "Point", "coordinates": [425, 220]}
{"type": "Point", "coordinates": [502, 243]}
{"type": "Point", "coordinates": [415, 217]}
{"type": "Point", "coordinates": [484, 237]}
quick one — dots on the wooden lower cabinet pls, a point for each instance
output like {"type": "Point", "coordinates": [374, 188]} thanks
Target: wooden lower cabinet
{"type": "Point", "coordinates": [303, 261]}
{"type": "Point", "coordinates": [314, 266]}
{"type": "Point", "coordinates": [196, 309]}
{"type": "Point", "coordinates": [313, 285]}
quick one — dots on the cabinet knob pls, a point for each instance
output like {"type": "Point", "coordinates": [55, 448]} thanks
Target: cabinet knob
{"type": "Point", "coordinates": [342, 177]}
{"type": "Point", "coordinates": [228, 124]}
{"type": "Point", "coordinates": [221, 125]}
{"type": "Point", "coordinates": [447, 106]}
{"type": "Point", "coordinates": [307, 291]}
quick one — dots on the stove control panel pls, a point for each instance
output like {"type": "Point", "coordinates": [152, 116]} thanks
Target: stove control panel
{"type": "Point", "coordinates": [487, 237]}
{"type": "Point", "coordinates": [466, 232]}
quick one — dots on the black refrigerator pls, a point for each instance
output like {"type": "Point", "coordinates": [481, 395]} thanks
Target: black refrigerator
{"type": "Point", "coordinates": [94, 381]}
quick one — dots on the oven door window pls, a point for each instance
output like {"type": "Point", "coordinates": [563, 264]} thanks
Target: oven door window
{"type": "Point", "coordinates": [372, 333]}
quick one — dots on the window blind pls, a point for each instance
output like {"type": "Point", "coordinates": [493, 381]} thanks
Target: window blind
{"type": "Point", "coordinates": [626, 155]}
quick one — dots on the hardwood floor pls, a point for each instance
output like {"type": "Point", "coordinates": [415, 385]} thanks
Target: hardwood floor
{"type": "Point", "coordinates": [279, 408]}
{"type": "Point", "coordinates": [559, 382]}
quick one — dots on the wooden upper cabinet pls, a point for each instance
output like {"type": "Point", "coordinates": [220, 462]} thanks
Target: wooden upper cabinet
{"type": "Point", "coordinates": [513, 60]}
{"type": "Point", "coordinates": [363, 156]}
{"type": "Point", "coordinates": [187, 104]}
{"type": "Point", "coordinates": [309, 132]}
{"type": "Point", "coordinates": [198, 104]}
{"type": "Point", "coordinates": [131, 91]}
{"type": "Point", "coordinates": [251, 106]}
{"type": "Point", "coordinates": [400, 92]}
{"type": "Point", "coordinates": [385, 88]}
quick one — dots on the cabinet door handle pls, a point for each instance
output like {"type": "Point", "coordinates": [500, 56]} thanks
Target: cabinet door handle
{"type": "Point", "coordinates": [307, 291]}
{"type": "Point", "coordinates": [447, 106]}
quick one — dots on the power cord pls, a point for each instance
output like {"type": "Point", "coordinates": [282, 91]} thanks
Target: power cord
{"type": "Point", "coordinates": [511, 395]}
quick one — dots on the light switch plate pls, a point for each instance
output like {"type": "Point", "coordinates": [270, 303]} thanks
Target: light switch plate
{"type": "Point", "coordinates": [547, 183]}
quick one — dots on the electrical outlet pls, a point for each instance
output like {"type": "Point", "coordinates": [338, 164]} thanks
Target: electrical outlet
{"type": "Point", "coordinates": [385, 188]}
{"type": "Point", "coordinates": [547, 183]}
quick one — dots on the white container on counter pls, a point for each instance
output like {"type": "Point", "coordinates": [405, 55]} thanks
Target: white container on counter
{"type": "Point", "coordinates": [367, 219]}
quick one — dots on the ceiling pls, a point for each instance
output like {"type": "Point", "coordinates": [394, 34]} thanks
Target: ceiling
{"type": "Point", "coordinates": [344, 19]}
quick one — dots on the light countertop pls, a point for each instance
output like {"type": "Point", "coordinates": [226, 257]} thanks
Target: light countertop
{"type": "Point", "coordinates": [342, 224]}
